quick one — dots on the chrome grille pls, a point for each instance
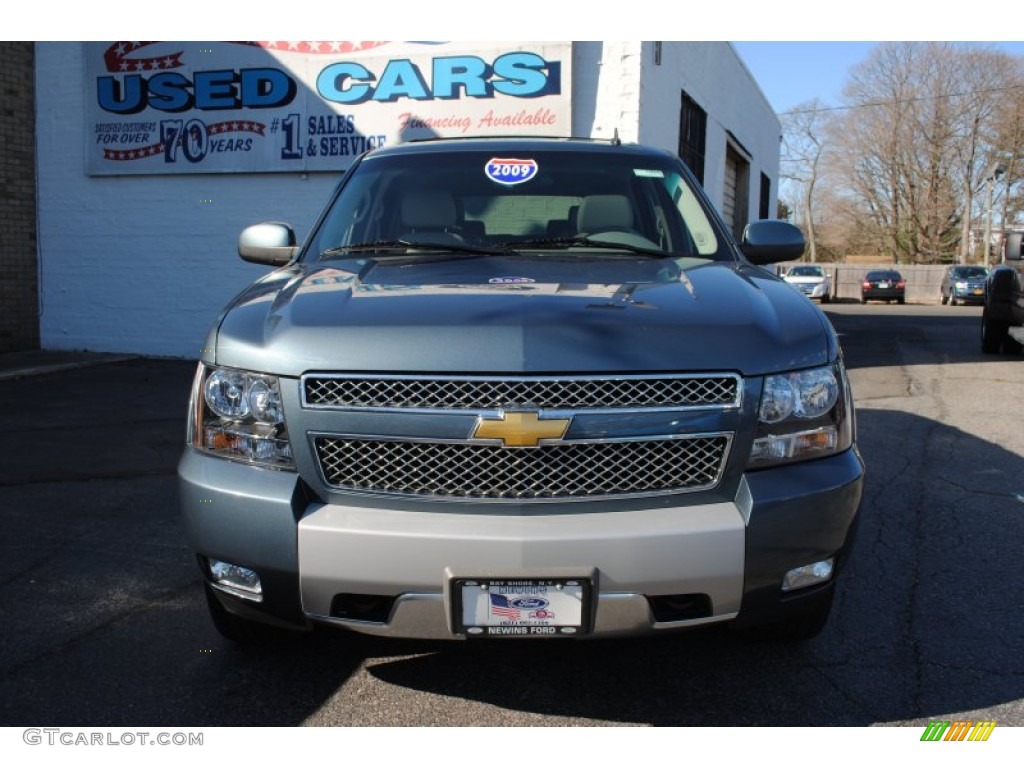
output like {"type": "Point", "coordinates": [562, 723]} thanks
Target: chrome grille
{"type": "Point", "coordinates": [552, 393]}
{"type": "Point", "coordinates": [563, 471]}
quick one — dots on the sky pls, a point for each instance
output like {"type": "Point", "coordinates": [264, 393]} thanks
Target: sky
{"type": "Point", "coordinates": [806, 20]}
{"type": "Point", "coordinates": [795, 66]}
{"type": "Point", "coordinates": [791, 73]}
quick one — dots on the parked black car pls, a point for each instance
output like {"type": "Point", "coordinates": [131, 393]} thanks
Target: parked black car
{"type": "Point", "coordinates": [963, 284]}
{"type": "Point", "coordinates": [883, 285]}
{"type": "Point", "coordinates": [1002, 321]}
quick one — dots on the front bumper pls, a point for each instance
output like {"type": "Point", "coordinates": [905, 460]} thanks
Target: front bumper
{"type": "Point", "coordinates": [968, 295]}
{"type": "Point", "coordinates": [313, 557]}
{"type": "Point", "coordinates": [882, 294]}
{"type": "Point", "coordinates": [813, 290]}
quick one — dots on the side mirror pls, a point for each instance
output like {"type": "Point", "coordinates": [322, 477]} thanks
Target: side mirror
{"type": "Point", "coordinates": [769, 241]}
{"type": "Point", "coordinates": [1012, 246]}
{"type": "Point", "coordinates": [270, 243]}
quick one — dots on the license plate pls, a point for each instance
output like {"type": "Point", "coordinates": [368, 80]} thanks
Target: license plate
{"type": "Point", "coordinates": [883, 285]}
{"type": "Point", "coordinates": [521, 607]}
{"type": "Point", "coordinates": [978, 291]}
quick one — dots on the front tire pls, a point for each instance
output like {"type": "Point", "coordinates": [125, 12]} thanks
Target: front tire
{"type": "Point", "coordinates": [993, 335]}
{"type": "Point", "coordinates": [244, 631]}
{"type": "Point", "coordinates": [798, 629]}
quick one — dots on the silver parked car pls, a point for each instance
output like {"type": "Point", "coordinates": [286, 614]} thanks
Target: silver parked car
{"type": "Point", "coordinates": [520, 388]}
{"type": "Point", "coordinates": [812, 281]}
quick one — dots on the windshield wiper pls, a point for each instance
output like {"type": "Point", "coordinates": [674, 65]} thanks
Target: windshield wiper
{"type": "Point", "coordinates": [406, 245]}
{"type": "Point", "coordinates": [570, 242]}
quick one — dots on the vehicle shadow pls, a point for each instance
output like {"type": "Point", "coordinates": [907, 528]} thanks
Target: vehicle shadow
{"type": "Point", "coordinates": [926, 621]}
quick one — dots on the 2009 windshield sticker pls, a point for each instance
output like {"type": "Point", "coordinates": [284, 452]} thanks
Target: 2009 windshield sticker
{"type": "Point", "coordinates": [507, 170]}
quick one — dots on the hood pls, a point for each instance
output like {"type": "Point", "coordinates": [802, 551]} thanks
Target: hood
{"type": "Point", "coordinates": [501, 314]}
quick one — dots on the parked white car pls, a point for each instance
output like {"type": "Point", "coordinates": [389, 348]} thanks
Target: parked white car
{"type": "Point", "coordinates": [812, 281]}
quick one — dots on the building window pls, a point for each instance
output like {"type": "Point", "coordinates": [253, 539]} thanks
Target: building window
{"type": "Point", "coordinates": [693, 128]}
{"type": "Point", "coordinates": [764, 209]}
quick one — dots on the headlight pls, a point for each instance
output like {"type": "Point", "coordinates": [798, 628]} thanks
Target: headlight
{"type": "Point", "coordinates": [238, 415]}
{"type": "Point", "coordinates": [961, 285]}
{"type": "Point", "coordinates": [803, 415]}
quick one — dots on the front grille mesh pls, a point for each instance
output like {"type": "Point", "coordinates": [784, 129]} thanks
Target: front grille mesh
{"type": "Point", "coordinates": [565, 393]}
{"type": "Point", "coordinates": [562, 471]}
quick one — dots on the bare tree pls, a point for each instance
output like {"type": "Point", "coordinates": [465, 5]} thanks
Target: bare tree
{"type": "Point", "coordinates": [913, 152]}
{"type": "Point", "coordinates": [803, 144]}
{"type": "Point", "coordinates": [1010, 154]}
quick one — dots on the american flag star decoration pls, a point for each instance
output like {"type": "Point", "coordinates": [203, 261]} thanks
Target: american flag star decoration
{"type": "Point", "coordinates": [501, 607]}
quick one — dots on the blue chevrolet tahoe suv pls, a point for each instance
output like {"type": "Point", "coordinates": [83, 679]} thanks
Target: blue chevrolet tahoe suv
{"type": "Point", "coordinates": [520, 388]}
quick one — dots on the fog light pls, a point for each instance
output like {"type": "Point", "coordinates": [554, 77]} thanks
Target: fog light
{"type": "Point", "coordinates": [236, 580]}
{"type": "Point", "coordinates": [808, 575]}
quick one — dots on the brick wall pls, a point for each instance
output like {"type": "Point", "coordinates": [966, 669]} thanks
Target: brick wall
{"type": "Point", "coordinates": [19, 302]}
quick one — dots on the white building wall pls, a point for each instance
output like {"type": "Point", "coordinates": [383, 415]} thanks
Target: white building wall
{"type": "Point", "coordinates": [606, 89]}
{"type": "Point", "coordinates": [714, 76]}
{"type": "Point", "coordinates": [140, 264]}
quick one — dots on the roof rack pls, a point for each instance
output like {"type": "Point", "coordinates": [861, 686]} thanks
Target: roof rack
{"type": "Point", "coordinates": [614, 141]}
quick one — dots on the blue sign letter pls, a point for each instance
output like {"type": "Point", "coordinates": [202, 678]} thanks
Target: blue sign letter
{"type": "Point", "coordinates": [266, 88]}
{"type": "Point", "coordinates": [470, 72]}
{"type": "Point", "coordinates": [401, 78]}
{"type": "Point", "coordinates": [523, 74]}
{"type": "Point", "coordinates": [330, 83]}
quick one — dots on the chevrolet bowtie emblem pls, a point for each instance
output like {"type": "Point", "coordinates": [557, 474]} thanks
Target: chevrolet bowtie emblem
{"type": "Point", "coordinates": [520, 429]}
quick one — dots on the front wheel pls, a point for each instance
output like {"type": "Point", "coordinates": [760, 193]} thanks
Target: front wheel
{"type": "Point", "coordinates": [245, 631]}
{"type": "Point", "coordinates": [993, 335]}
{"type": "Point", "coordinates": [798, 629]}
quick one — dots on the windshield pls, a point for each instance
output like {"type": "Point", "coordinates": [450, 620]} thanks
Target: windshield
{"type": "Point", "coordinates": [805, 272]}
{"type": "Point", "coordinates": [536, 201]}
{"type": "Point", "coordinates": [969, 273]}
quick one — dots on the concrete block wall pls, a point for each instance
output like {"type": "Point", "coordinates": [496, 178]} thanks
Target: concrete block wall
{"type": "Point", "coordinates": [19, 303]}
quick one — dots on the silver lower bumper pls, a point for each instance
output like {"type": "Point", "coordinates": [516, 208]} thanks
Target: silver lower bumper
{"type": "Point", "coordinates": [427, 617]}
{"type": "Point", "coordinates": [414, 555]}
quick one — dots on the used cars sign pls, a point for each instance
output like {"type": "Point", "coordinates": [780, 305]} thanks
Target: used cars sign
{"type": "Point", "coordinates": [254, 107]}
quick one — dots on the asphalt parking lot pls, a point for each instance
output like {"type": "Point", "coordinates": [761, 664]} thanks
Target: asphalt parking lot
{"type": "Point", "coordinates": [104, 621]}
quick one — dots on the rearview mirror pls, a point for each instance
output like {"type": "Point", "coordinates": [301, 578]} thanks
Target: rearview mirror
{"type": "Point", "coordinates": [270, 243]}
{"type": "Point", "coordinates": [1012, 246]}
{"type": "Point", "coordinates": [768, 241]}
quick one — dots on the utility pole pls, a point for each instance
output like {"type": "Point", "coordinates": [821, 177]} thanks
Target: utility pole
{"type": "Point", "coordinates": [990, 182]}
